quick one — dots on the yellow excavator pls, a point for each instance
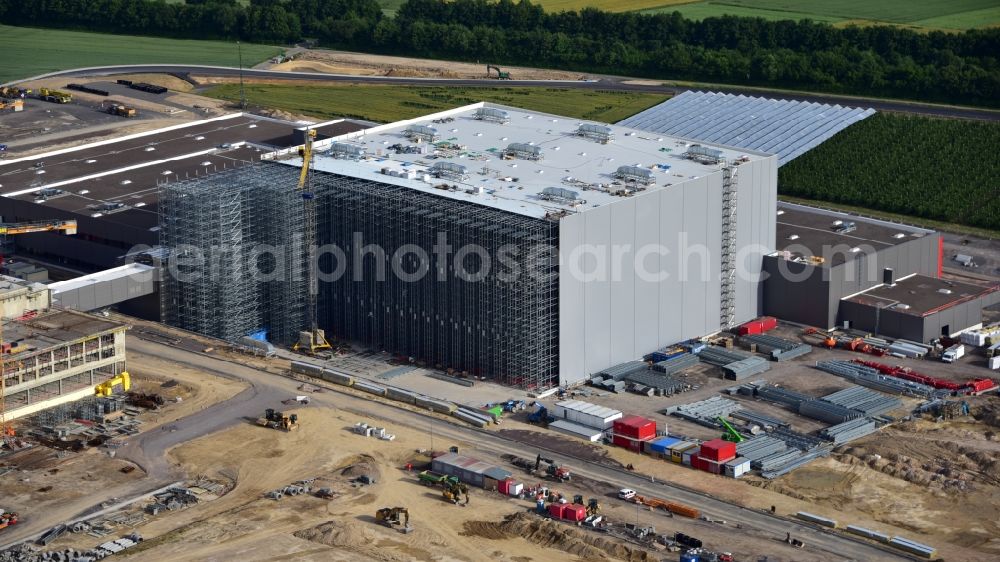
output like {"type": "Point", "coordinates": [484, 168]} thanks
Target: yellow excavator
{"type": "Point", "coordinates": [107, 388]}
{"type": "Point", "coordinates": [455, 491]}
{"type": "Point", "coordinates": [390, 516]}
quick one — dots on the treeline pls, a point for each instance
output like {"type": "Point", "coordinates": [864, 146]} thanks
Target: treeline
{"type": "Point", "coordinates": [877, 60]}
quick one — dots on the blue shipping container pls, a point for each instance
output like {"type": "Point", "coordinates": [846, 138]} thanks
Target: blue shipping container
{"type": "Point", "coordinates": [660, 445]}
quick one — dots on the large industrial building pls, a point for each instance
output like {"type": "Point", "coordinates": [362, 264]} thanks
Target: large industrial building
{"type": "Point", "coordinates": [824, 256]}
{"type": "Point", "coordinates": [111, 187]}
{"type": "Point", "coordinates": [53, 356]}
{"type": "Point", "coordinates": [602, 243]}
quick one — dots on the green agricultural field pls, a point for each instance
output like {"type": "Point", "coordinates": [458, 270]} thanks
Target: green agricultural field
{"type": "Point", "coordinates": [29, 52]}
{"type": "Point", "coordinates": [926, 14]}
{"type": "Point", "coordinates": [928, 168]}
{"type": "Point", "coordinates": [390, 6]}
{"type": "Point", "coordinates": [393, 103]}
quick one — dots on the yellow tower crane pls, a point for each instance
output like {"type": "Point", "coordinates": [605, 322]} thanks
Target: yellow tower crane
{"type": "Point", "coordinates": [10, 229]}
{"type": "Point", "coordinates": [312, 339]}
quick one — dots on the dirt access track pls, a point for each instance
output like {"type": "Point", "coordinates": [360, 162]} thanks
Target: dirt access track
{"type": "Point", "coordinates": [341, 62]}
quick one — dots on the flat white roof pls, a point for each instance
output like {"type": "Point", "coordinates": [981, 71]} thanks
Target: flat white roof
{"type": "Point", "coordinates": [101, 276]}
{"type": "Point", "coordinates": [584, 166]}
{"type": "Point", "coordinates": [577, 429]}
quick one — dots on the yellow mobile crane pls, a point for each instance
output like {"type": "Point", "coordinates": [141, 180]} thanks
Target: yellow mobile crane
{"type": "Point", "coordinates": [7, 433]}
{"type": "Point", "coordinates": [313, 339]}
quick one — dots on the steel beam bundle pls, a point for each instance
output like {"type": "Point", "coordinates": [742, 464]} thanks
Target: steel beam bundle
{"type": "Point", "coordinates": [870, 377]}
{"type": "Point", "coordinates": [753, 417]}
{"type": "Point", "coordinates": [758, 447]}
{"type": "Point", "coordinates": [665, 384]}
{"type": "Point", "coordinates": [778, 348]}
{"type": "Point", "coordinates": [850, 430]}
{"type": "Point", "coordinates": [675, 364]}
{"type": "Point", "coordinates": [869, 402]}
{"type": "Point", "coordinates": [827, 412]}
{"type": "Point", "coordinates": [798, 440]}
{"type": "Point", "coordinates": [619, 372]}
{"type": "Point", "coordinates": [735, 365]}
{"type": "Point", "coordinates": [705, 412]}
{"type": "Point", "coordinates": [783, 396]}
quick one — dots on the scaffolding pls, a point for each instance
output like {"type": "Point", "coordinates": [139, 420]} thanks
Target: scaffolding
{"type": "Point", "coordinates": [494, 326]}
{"type": "Point", "coordinates": [237, 259]}
{"type": "Point", "coordinates": [727, 286]}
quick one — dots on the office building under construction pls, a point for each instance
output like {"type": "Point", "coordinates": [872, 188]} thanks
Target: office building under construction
{"type": "Point", "coordinates": [529, 248]}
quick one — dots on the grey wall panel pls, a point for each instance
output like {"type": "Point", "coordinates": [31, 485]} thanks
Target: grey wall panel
{"type": "Point", "coordinates": [697, 264]}
{"type": "Point", "coordinates": [87, 298]}
{"type": "Point", "coordinates": [597, 294]}
{"type": "Point", "coordinates": [671, 290]}
{"type": "Point", "coordinates": [647, 293]}
{"type": "Point", "coordinates": [798, 296]}
{"type": "Point", "coordinates": [621, 280]}
{"type": "Point", "coordinates": [572, 308]}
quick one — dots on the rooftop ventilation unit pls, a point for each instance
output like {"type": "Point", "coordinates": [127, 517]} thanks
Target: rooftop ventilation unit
{"type": "Point", "coordinates": [47, 193]}
{"type": "Point", "coordinates": [703, 154]}
{"type": "Point", "coordinates": [493, 115]}
{"type": "Point", "coordinates": [636, 174]}
{"type": "Point", "coordinates": [524, 151]}
{"type": "Point", "coordinates": [599, 133]}
{"type": "Point", "coordinates": [346, 151]}
{"type": "Point", "coordinates": [449, 170]}
{"type": "Point", "coordinates": [108, 207]}
{"type": "Point", "coordinates": [422, 132]}
{"type": "Point", "coordinates": [845, 227]}
{"type": "Point", "coordinates": [561, 195]}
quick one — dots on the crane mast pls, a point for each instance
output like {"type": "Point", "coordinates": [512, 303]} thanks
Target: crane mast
{"type": "Point", "coordinates": [316, 340]}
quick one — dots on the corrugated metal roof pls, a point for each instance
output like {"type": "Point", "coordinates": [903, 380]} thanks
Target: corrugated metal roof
{"type": "Point", "coordinates": [576, 429]}
{"type": "Point", "coordinates": [787, 128]}
{"type": "Point", "coordinates": [465, 463]}
{"type": "Point", "coordinates": [588, 408]}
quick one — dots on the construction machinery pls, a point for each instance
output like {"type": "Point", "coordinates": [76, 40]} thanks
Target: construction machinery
{"type": "Point", "coordinates": [501, 75]}
{"type": "Point", "coordinates": [277, 420]}
{"type": "Point", "coordinates": [429, 478]}
{"type": "Point", "coordinates": [54, 96]}
{"type": "Point", "coordinates": [12, 105]}
{"type": "Point", "coordinates": [7, 519]}
{"type": "Point", "coordinates": [731, 434]}
{"type": "Point", "coordinates": [390, 516]}
{"type": "Point", "coordinates": [12, 92]}
{"type": "Point", "coordinates": [593, 507]}
{"type": "Point", "coordinates": [312, 339]}
{"type": "Point", "coordinates": [7, 433]}
{"type": "Point", "coordinates": [454, 491]}
{"type": "Point", "coordinates": [107, 388]}
{"type": "Point", "coordinates": [553, 470]}
{"type": "Point", "coordinates": [115, 107]}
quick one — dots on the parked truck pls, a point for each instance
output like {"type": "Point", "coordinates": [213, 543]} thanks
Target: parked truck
{"type": "Point", "coordinates": [54, 96]}
{"type": "Point", "coordinates": [118, 108]}
{"type": "Point", "coordinates": [953, 353]}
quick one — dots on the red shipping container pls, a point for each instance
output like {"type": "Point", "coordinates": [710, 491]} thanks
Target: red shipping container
{"type": "Point", "coordinates": [627, 443]}
{"type": "Point", "coordinates": [758, 326]}
{"type": "Point", "coordinates": [574, 512]}
{"type": "Point", "coordinates": [696, 462]}
{"type": "Point", "coordinates": [556, 509]}
{"type": "Point", "coordinates": [635, 427]}
{"type": "Point", "coordinates": [718, 450]}
{"type": "Point", "coordinates": [712, 466]}
{"type": "Point", "coordinates": [504, 486]}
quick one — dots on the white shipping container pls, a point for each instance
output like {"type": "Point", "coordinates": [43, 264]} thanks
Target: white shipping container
{"type": "Point", "coordinates": [994, 362]}
{"type": "Point", "coordinates": [737, 467]}
{"type": "Point", "coordinates": [585, 413]}
{"type": "Point", "coordinates": [515, 489]}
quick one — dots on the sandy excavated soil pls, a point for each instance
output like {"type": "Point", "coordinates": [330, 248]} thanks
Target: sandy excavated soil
{"type": "Point", "coordinates": [338, 62]}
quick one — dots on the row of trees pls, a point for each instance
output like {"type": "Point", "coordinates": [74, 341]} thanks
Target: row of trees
{"type": "Point", "coordinates": [878, 60]}
{"type": "Point", "coordinates": [933, 168]}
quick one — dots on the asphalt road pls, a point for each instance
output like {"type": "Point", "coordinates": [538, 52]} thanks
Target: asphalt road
{"type": "Point", "coordinates": [615, 83]}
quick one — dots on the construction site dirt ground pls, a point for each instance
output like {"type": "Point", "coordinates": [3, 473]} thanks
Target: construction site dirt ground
{"type": "Point", "coordinates": [361, 64]}
{"type": "Point", "coordinates": [244, 524]}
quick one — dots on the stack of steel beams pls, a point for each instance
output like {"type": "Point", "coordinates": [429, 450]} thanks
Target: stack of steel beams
{"type": "Point", "coordinates": [663, 384]}
{"type": "Point", "coordinates": [618, 372]}
{"type": "Point", "coordinates": [783, 396]}
{"type": "Point", "coordinates": [850, 430]}
{"type": "Point", "coordinates": [675, 364]}
{"type": "Point", "coordinates": [870, 377]}
{"type": "Point", "coordinates": [705, 412]}
{"type": "Point", "coordinates": [827, 412]}
{"type": "Point", "coordinates": [779, 349]}
{"type": "Point", "coordinates": [869, 402]}
{"type": "Point", "coordinates": [735, 365]}
{"type": "Point", "coordinates": [756, 418]}
{"type": "Point", "coordinates": [758, 447]}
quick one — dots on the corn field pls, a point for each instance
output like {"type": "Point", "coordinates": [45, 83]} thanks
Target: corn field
{"type": "Point", "coordinates": [932, 168]}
